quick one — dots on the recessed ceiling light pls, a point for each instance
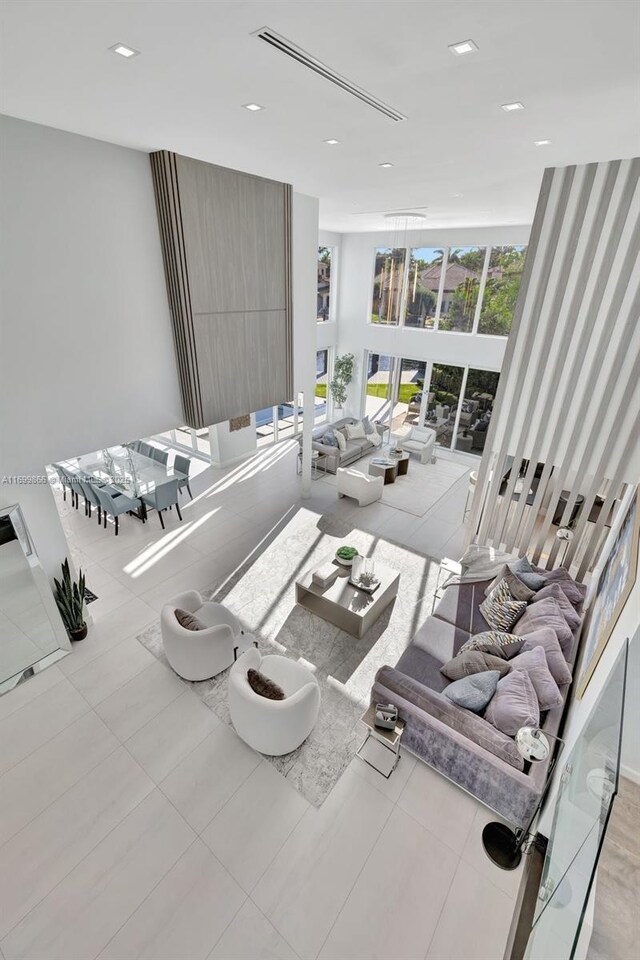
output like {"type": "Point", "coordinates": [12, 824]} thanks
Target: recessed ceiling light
{"type": "Point", "coordinates": [456, 196]}
{"type": "Point", "coordinates": [332, 142]}
{"type": "Point", "coordinates": [124, 51]}
{"type": "Point", "coordinates": [464, 46]}
{"type": "Point", "coordinates": [508, 107]}
{"type": "Point", "coordinates": [252, 106]}
{"type": "Point", "coordinates": [385, 164]}
{"type": "Point", "coordinates": [542, 143]}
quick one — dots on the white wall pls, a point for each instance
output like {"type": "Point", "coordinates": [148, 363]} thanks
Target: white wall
{"type": "Point", "coordinates": [355, 333]}
{"type": "Point", "coordinates": [87, 357]}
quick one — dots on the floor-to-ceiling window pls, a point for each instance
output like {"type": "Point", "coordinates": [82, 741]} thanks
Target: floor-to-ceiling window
{"type": "Point", "coordinates": [471, 289]}
{"type": "Point", "coordinates": [325, 300]}
{"type": "Point", "coordinates": [322, 385]}
{"type": "Point", "coordinates": [379, 386]}
{"type": "Point", "coordinates": [477, 405]}
{"type": "Point", "coordinates": [425, 272]}
{"type": "Point", "coordinates": [461, 288]}
{"type": "Point", "coordinates": [388, 285]}
{"type": "Point", "coordinates": [446, 387]}
{"type": "Point", "coordinates": [501, 290]}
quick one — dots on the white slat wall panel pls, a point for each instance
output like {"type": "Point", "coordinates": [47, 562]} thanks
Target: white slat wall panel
{"type": "Point", "coordinates": [568, 395]}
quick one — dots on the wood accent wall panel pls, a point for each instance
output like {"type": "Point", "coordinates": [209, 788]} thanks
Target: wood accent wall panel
{"type": "Point", "coordinates": [226, 239]}
{"type": "Point", "coordinates": [567, 397]}
{"type": "Point", "coordinates": [259, 339]}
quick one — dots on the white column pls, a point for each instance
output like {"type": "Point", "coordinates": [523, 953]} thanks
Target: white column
{"type": "Point", "coordinates": [305, 281]}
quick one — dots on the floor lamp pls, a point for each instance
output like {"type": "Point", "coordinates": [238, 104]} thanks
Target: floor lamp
{"type": "Point", "coordinates": [502, 844]}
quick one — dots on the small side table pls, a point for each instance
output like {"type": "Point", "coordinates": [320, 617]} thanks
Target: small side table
{"type": "Point", "coordinates": [448, 568]}
{"type": "Point", "coordinates": [318, 464]}
{"type": "Point", "coordinates": [390, 740]}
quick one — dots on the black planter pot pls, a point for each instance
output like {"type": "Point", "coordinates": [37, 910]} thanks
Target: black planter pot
{"type": "Point", "coordinates": [78, 634]}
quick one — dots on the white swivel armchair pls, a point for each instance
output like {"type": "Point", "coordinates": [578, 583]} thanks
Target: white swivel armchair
{"type": "Point", "coordinates": [200, 654]}
{"type": "Point", "coordinates": [420, 440]}
{"type": "Point", "coordinates": [274, 727]}
{"type": "Point", "coordinates": [352, 483]}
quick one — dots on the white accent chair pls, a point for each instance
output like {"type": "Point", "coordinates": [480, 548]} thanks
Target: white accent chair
{"type": "Point", "coordinates": [274, 727]}
{"type": "Point", "coordinates": [352, 483]}
{"type": "Point", "coordinates": [420, 440]}
{"type": "Point", "coordinates": [201, 654]}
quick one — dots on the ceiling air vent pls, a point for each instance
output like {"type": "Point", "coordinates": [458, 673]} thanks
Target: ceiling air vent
{"type": "Point", "coordinates": [297, 53]}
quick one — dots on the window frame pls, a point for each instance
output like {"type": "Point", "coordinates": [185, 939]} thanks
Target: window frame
{"type": "Point", "coordinates": [402, 312]}
{"type": "Point", "coordinates": [331, 318]}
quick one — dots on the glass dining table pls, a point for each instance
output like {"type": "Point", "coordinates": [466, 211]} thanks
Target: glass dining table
{"type": "Point", "coordinates": [126, 470]}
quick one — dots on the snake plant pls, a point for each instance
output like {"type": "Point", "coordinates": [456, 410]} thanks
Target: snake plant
{"type": "Point", "coordinates": [70, 599]}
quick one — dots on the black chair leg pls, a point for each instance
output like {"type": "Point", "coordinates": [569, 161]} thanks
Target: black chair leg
{"type": "Point", "coordinates": [189, 489]}
{"type": "Point", "coordinates": [161, 520]}
{"type": "Point", "coordinates": [178, 509]}
{"type": "Point", "coordinates": [105, 519]}
{"type": "Point", "coordinates": [116, 526]}
{"type": "Point", "coordinates": [99, 515]}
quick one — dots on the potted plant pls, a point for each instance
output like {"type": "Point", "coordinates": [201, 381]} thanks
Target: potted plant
{"type": "Point", "coordinates": [342, 377]}
{"type": "Point", "coordinates": [346, 555]}
{"type": "Point", "coordinates": [70, 600]}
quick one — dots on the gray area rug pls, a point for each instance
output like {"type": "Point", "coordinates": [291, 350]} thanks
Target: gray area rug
{"type": "Point", "coordinates": [262, 595]}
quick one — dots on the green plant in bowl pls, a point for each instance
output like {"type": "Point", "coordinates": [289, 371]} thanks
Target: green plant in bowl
{"type": "Point", "coordinates": [346, 555]}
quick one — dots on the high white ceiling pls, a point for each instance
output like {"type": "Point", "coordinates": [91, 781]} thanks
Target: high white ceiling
{"type": "Point", "coordinates": [573, 63]}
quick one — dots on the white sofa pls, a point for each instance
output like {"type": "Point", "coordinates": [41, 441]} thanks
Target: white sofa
{"type": "Point", "coordinates": [420, 440]}
{"type": "Point", "coordinates": [200, 654]}
{"type": "Point", "coordinates": [274, 727]}
{"type": "Point", "coordinates": [352, 483]}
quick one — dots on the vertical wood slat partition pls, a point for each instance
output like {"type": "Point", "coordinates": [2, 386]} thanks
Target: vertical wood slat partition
{"type": "Point", "coordinates": [567, 406]}
{"type": "Point", "coordinates": [226, 244]}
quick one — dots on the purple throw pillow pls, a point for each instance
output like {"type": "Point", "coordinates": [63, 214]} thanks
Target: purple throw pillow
{"type": "Point", "coordinates": [555, 591]}
{"type": "Point", "coordinates": [545, 613]}
{"type": "Point", "coordinates": [534, 663]}
{"type": "Point", "coordinates": [547, 639]}
{"type": "Point", "coordinates": [514, 704]}
{"type": "Point", "coordinates": [574, 591]}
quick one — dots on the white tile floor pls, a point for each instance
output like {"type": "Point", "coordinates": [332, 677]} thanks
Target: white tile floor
{"type": "Point", "coordinates": [136, 824]}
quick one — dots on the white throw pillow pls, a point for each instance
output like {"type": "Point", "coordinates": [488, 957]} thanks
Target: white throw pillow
{"type": "Point", "coordinates": [340, 437]}
{"type": "Point", "coordinates": [374, 438]}
{"type": "Point", "coordinates": [355, 431]}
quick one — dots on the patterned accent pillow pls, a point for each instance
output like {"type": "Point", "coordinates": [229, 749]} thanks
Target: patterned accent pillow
{"type": "Point", "coordinates": [329, 439]}
{"type": "Point", "coordinates": [263, 686]}
{"type": "Point", "coordinates": [188, 621]}
{"type": "Point", "coordinates": [340, 437]}
{"type": "Point", "coordinates": [496, 642]}
{"type": "Point", "coordinates": [517, 587]}
{"type": "Point", "coordinates": [500, 610]}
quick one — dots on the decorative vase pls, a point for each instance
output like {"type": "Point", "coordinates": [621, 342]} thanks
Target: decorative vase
{"type": "Point", "coordinates": [78, 634]}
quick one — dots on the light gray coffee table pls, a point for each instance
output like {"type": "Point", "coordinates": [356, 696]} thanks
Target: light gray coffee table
{"type": "Point", "coordinates": [344, 605]}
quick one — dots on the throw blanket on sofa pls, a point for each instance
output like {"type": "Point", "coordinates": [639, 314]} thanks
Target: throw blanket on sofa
{"type": "Point", "coordinates": [481, 563]}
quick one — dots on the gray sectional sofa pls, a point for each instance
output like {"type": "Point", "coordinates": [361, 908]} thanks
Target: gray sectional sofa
{"type": "Point", "coordinates": [462, 745]}
{"type": "Point", "coordinates": [355, 449]}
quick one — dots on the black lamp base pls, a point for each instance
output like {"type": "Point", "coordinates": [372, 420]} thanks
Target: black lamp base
{"type": "Point", "coordinates": [501, 845]}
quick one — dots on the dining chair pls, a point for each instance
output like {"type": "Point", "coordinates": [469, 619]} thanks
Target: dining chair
{"type": "Point", "coordinates": [136, 445]}
{"type": "Point", "coordinates": [160, 455]}
{"type": "Point", "coordinates": [91, 498]}
{"type": "Point", "coordinates": [67, 482]}
{"type": "Point", "coordinates": [145, 449]}
{"type": "Point", "coordinates": [183, 465]}
{"type": "Point", "coordinates": [165, 495]}
{"type": "Point", "coordinates": [115, 506]}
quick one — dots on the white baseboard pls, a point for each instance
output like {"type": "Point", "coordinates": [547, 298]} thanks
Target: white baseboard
{"type": "Point", "coordinates": [630, 773]}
